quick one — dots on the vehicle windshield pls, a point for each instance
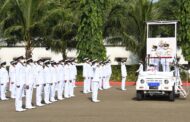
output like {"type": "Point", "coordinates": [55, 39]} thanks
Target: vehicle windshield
{"type": "Point", "coordinates": [161, 31]}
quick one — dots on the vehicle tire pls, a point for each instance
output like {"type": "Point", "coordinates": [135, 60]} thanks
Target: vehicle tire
{"type": "Point", "coordinates": [140, 95]}
{"type": "Point", "coordinates": [172, 95]}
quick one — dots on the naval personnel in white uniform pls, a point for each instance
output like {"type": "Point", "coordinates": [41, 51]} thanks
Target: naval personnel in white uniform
{"type": "Point", "coordinates": [29, 83]}
{"type": "Point", "coordinates": [39, 82]}
{"type": "Point", "coordinates": [12, 76]}
{"type": "Point", "coordinates": [20, 83]}
{"type": "Point", "coordinates": [95, 81]}
{"type": "Point", "coordinates": [4, 79]}
{"type": "Point", "coordinates": [123, 74]}
{"type": "Point", "coordinates": [85, 76]}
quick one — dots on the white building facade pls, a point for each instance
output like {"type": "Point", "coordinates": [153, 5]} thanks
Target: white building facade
{"type": "Point", "coordinates": [8, 53]}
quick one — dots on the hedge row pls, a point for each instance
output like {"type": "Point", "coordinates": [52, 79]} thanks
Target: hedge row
{"type": "Point", "coordinates": [131, 71]}
{"type": "Point", "coordinates": [116, 73]}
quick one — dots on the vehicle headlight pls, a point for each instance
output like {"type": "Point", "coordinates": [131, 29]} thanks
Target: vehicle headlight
{"type": "Point", "coordinates": [142, 81]}
{"type": "Point", "coordinates": [166, 81]}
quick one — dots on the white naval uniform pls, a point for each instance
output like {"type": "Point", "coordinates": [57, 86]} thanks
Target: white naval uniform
{"type": "Point", "coordinates": [53, 83]}
{"type": "Point", "coordinates": [4, 79]}
{"type": "Point", "coordinates": [85, 76]}
{"type": "Point", "coordinates": [90, 77]}
{"type": "Point", "coordinates": [109, 74]}
{"type": "Point", "coordinates": [95, 84]}
{"type": "Point", "coordinates": [29, 83]}
{"type": "Point", "coordinates": [74, 70]}
{"type": "Point", "coordinates": [105, 77]}
{"type": "Point", "coordinates": [39, 84]}
{"type": "Point", "coordinates": [60, 77]}
{"type": "Point", "coordinates": [47, 80]}
{"type": "Point", "coordinates": [12, 76]}
{"type": "Point", "coordinates": [101, 77]}
{"type": "Point", "coordinates": [123, 75]}
{"type": "Point", "coordinates": [20, 82]}
{"type": "Point", "coordinates": [71, 79]}
{"type": "Point", "coordinates": [67, 80]}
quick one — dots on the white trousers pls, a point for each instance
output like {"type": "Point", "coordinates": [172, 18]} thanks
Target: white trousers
{"type": "Point", "coordinates": [60, 86]}
{"type": "Point", "coordinates": [166, 67]}
{"type": "Point", "coordinates": [12, 89]}
{"type": "Point", "coordinates": [46, 92]}
{"type": "Point", "coordinates": [29, 92]}
{"type": "Point", "coordinates": [85, 85]}
{"type": "Point", "coordinates": [66, 89]}
{"type": "Point", "coordinates": [101, 83]}
{"type": "Point", "coordinates": [95, 86]}
{"type": "Point", "coordinates": [18, 99]}
{"type": "Point", "coordinates": [71, 88]}
{"type": "Point", "coordinates": [3, 91]}
{"type": "Point", "coordinates": [89, 84]}
{"type": "Point", "coordinates": [123, 83]}
{"type": "Point", "coordinates": [104, 82]}
{"type": "Point", "coordinates": [39, 94]}
{"type": "Point", "coordinates": [107, 83]}
{"type": "Point", "coordinates": [52, 91]}
{"type": "Point", "coordinates": [74, 82]}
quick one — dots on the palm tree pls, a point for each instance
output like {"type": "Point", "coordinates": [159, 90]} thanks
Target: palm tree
{"type": "Point", "coordinates": [22, 21]}
{"type": "Point", "coordinates": [126, 25]}
{"type": "Point", "coordinates": [61, 25]}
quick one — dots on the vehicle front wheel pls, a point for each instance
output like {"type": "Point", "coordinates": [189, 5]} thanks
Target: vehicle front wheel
{"type": "Point", "coordinates": [140, 95]}
{"type": "Point", "coordinates": [172, 95]}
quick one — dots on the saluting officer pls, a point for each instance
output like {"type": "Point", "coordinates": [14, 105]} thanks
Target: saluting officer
{"type": "Point", "coordinates": [123, 74]}
{"type": "Point", "coordinates": [4, 79]}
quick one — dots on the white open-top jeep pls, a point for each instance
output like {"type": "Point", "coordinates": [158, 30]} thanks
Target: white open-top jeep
{"type": "Point", "coordinates": [161, 72]}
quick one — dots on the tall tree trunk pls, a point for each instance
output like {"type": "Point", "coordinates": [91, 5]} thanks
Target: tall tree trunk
{"type": "Point", "coordinates": [64, 56]}
{"type": "Point", "coordinates": [28, 49]}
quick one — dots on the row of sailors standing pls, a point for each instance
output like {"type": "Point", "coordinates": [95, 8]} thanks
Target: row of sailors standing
{"type": "Point", "coordinates": [48, 77]}
{"type": "Point", "coordinates": [89, 68]}
{"type": "Point", "coordinates": [96, 76]}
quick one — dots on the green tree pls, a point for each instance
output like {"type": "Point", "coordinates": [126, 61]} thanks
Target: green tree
{"type": "Point", "coordinates": [178, 10]}
{"type": "Point", "coordinates": [126, 25]}
{"type": "Point", "coordinates": [61, 26]}
{"type": "Point", "coordinates": [90, 31]}
{"type": "Point", "coordinates": [184, 32]}
{"type": "Point", "coordinates": [22, 22]}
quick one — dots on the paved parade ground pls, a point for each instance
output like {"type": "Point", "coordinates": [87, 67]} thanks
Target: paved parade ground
{"type": "Point", "coordinates": [115, 106]}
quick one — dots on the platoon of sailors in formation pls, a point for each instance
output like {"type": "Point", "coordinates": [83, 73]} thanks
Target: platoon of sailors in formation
{"type": "Point", "coordinates": [53, 80]}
